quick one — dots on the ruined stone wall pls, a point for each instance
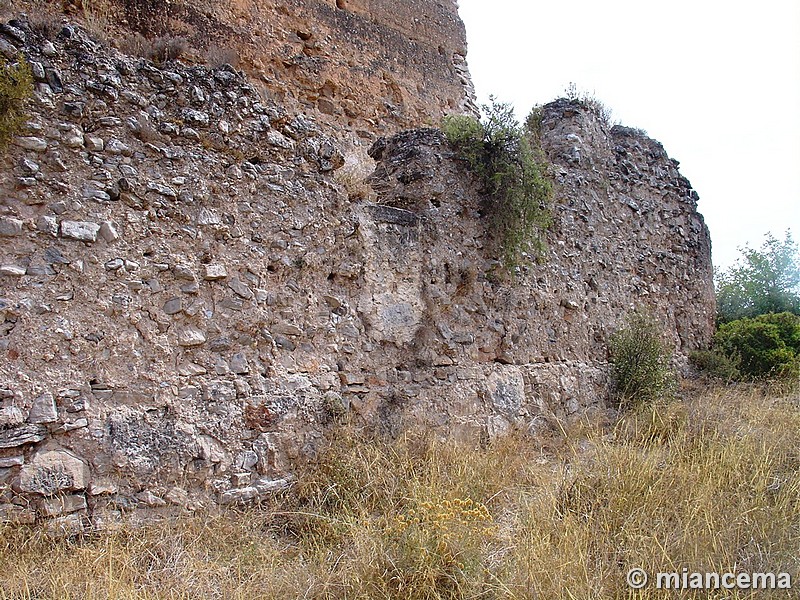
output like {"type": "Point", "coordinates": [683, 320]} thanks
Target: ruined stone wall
{"type": "Point", "coordinates": [189, 300]}
{"type": "Point", "coordinates": [368, 66]}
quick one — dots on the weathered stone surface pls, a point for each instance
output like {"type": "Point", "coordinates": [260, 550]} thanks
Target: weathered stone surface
{"type": "Point", "coordinates": [12, 270]}
{"type": "Point", "coordinates": [10, 227]}
{"type": "Point", "coordinates": [43, 409]}
{"type": "Point", "coordinates": [11, 416]}
{"type": "Point", "coordinates": [62, 505]}
{"type": "Point", "coordinates": [52, 471]}
{"type": "Point", "coordinates": [11, 461]}
{"type": "Point", "coordinates": [241, 299]}
{"type": "Point", "coordinates": [31, 143]}
{"type": "Point", "coordinates": [82, 231]}
{"type": "Point", "coordinates": [261, 488]}
{"type": "Point", "coordinates": [16, 515]}
{"type": "Point", "coordinates": [214, 272]}
{"type": "Point", "coordinates": [191, 336]}
{"type": "Point", "coordinates": [21, 435]}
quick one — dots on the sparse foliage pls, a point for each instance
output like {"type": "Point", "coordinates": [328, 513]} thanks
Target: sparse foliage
{"type": "Point", "coordinates": [762, 281]}
{"type": "Point", "coordinates": [16, 87]}
{"type": "Point", "coordinates": [640, 362]}
{"type": "Point", "coordinates": [513, 176]}
{"type": "Point", "coordinates": [714, 363]}
{"type": "Point", "coordinates": [588, 101]}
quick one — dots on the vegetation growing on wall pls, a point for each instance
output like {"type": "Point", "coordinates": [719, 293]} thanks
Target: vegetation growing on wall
{"type": "Point", "coordinates": [640, 362]}
{"type": "Point", "coordinates": [513, 174]}
{"type": "Point", "coordinates": [16, 87]}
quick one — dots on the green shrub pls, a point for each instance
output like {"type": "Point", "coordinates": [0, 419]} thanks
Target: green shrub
{"type": "Point", "coordinates": [640, 362]}
{"type": "Point", "coordinates": [16, 87]}
{"type": "Point", "coordinates": [766, 346]}
{"type": "Point", "coordinates": [716, 364]}
{"type": "Point", "coordinates": [512, 174]}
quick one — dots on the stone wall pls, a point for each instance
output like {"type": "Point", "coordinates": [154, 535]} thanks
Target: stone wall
{"type": "Point", "coordinates": [367, 66]}
{"type": "Point", "coordinates": [189, 300]}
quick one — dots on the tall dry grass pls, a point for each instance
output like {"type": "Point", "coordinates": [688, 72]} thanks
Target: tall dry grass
{"type": "Point", "coordinates": [709, 483]}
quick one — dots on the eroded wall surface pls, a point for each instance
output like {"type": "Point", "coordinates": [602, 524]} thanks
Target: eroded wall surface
{"type": "Point", "coordinates": [190, 301]}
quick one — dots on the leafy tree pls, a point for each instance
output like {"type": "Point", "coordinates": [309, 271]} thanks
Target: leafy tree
{"type": "Point", "coordinates": [762, 281]}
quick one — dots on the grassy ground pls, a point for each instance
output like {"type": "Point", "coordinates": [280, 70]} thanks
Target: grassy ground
{"type": "Point", "coordinates": [709, 483]}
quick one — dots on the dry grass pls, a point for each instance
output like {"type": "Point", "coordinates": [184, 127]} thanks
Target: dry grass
{"type": "Point", "coordinates": [709, 483]}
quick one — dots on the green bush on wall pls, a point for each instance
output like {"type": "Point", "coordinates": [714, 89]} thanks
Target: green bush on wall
{"type": "Point", "coordinates": [512, 172]}
{"type": "Point", "coordinates": [16, 87]}
{"type": "Point", "coordinates": [640, 362]}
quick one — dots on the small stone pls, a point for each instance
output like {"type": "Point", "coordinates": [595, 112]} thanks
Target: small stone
{"type": "Point", "coordinates": [47, 224]}
{"type": "Point", "coordinates": [93, 143]}
{"type": "Point", "coordinates": [238, 496]}
{"type": "Point", "coordinates": [195, 117]}
{"type": "Point", "coordinates": [28, 166]}
{"type": "Point", "coordinates": [351, 378]}
{"type": "Point", "coordinates": [183, 272]}
{"type": "Point", "coordinates": [150, 499]}
{"type": "Point", "coordinates": [287, 329]}
{"type": "Point", "coordinates": [162, 190]}
{"type": "Point", "coordinates": [10, 227]}
{"type": "Point", "coordinates": [36, 144]}
{"type": "Point", "coordinates": [265, 485]}
{"type": "Point", "coordinates": [239, 364]}
{"type": "Point", "coordinates": [173, 306]}
{"type": "Point", "coordinates": [11, 461]}
{"type": "Point", "coordinates": [82, 231]}
{"type": "Point", "coordinates": [12, 270]}
{"type": "Point", "coordinates": [240, 288]}
{"type": "Point", "coordinates": [8, 49]}
{"type": "Point", "coordinates": [191, 336]}
{"type": "Point", "coordinates": [108, 232]}
{"type": "Point", "coordinates": [179, 497]}
{"type": "Point", "coordinates": [247, 460]}
{"type": "Point", "coordinates": [74, 109]}
{"type": "Point", "coordinates": [48, 49]}
{"type": "Point", "coordinates": [76, 424]}
{"type": "Point", "coordinates": [94, 191]}
{"type": "Point", "coordinates": [101, 487]}
{"type": "Point", "coordinates": [114, 146]}
{"type": "Point", "coordinates": [62, 505]}
{"type": "Point", "coordinates": [115, 264]}
{"type": "Point", "coordinates": [44, 409]}
{"type": "Point", "coordinates": [73, 137]}
{"type": "Point", "coordinates": [11, 416]}
{"type": "Point", "coordinates": [208, 217]}
{"type": "Point", "coordinates": [214, 272]}
{"type": "Point", "coordinates": [191, 370]}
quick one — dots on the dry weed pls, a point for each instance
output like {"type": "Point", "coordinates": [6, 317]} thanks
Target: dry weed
{"type": "Point", "coordinates": [709, 483]}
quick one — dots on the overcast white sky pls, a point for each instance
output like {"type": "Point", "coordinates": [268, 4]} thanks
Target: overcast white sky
{"type": "Point", "coordinates": [716, 82]}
